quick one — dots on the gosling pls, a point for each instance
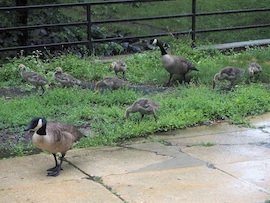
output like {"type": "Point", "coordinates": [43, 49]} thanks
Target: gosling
{"type": "Point", "coordinates": [228, 73]}
{"type": "Point", "coordinates": [33, 78]}
{"type": "Point", "coordinates": [53, 137]}
{"type": "Point", "coordinates": [174, 64]}
{"type": "Point", "coordinates": [143, 106]}
{"type": "Point", "coordinates": [112, 83]}
{"type": "Point", "coordinates": [254, 69]}
{"type": "Point", "coordinates": [65, 79]}
{"type": "Point", "coordinates": [118, 66]}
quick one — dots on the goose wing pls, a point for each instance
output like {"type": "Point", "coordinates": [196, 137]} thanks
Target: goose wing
{"type": "Point", "coordinates": [66, 78]}
{"type": "Point", "coordinates": [34, 77]}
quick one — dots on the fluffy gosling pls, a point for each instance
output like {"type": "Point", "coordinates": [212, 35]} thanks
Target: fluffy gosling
{"type": "Point", "coordinates": [143, 106]}
{"type": "Point", "coordinates": [118, 66]}
{"type": "Point", "coordinates": [228, 73]}
{"type": "Point", "coordinates": [33, 78]}
{"type": "Point", "coordinates": [65, 79]}
{"type": "Point", "coordinates": [112, 83]}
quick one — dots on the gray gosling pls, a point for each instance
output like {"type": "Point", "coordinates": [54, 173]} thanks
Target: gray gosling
{"type": "Point", "coordinates": [112, 83]}
{"type": "Point", "coordinates": [65, 79]}
{"type": "Point", "coordinates": [174, 64]}
{"type": "Point", "coordinates": [143, 106]}
{"type": "Point", "coordinates": [118, 66]}
{"type": "Point", "coordinates": [228, 73]}
{"type": "Point", "coordinates": [33, 78]}
{"type": "Point", "coordinates": [254, 69]}
{"type": "Point", "coordinates": [53, 137]}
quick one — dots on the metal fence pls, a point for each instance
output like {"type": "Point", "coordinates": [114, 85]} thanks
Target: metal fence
{"type": "Point", "coordinates": [89, 22]}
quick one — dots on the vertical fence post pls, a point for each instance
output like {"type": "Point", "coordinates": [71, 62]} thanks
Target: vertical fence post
{"type": "Point", "coordinates": [193, 32]}
{"type": "Point", "coordinates": [89, 33]}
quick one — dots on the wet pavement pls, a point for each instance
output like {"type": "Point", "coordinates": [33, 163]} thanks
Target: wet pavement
{"type": "Point", "coordinates": [215, 163]}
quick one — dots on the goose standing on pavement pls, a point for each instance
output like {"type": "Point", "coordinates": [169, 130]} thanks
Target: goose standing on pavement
{"type": "Point", "coordinates": [228, 73]}
{"type": "Point", "coordinates": [143, 106]}
{"type": "Point", "coordinates": [53, 137]}
{"type": "Point", "coordinates": [33, 78]}
{"type": "Point", "coordinates": [177, 65]}
{"type": "Point", "coordinates": [65, 79]}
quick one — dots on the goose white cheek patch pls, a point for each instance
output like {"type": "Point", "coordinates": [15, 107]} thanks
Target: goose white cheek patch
{"type": "Point", "coordinates": [39, 125]}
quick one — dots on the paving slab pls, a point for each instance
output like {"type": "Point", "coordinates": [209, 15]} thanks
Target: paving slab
{"type": "Point", "coordinates": [24, 180]}
{"type": "Point", "coordinates": [228, 154]}
{"type": "Point", "coordinates": [222, 134]}
{"type": "Point", "coordinates": [254, 172]}
{"type": "Point", "coordinates": [195, 184]}
{"type": "Point", "coordinates": [102, 161]}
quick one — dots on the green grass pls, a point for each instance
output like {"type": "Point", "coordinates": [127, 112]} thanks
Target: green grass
{"type": "Point", "coordinates": [163, 8]}
{"type": "Point", "coordinates": [181, 106]}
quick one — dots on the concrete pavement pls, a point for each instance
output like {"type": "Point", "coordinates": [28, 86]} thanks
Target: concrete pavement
{"type": "Point", "coordinates": [215, 163]}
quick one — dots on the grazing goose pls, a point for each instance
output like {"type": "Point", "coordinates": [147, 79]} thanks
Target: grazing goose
{"type": "Point", "coordinates": [53, 137]}
{"type": "Point", "coordinates": [174, 64]}
{"type": "Point", "coordinates": [254, 69]}
{"type": "Point", "coordinates": [65, 79]}
{"type": "Point", "coordinates": [228, 73]}
{"type": "Point", "coordinates": [143, 106]}
{"type": "Point", "coordinates": [33, 78]}
{"type": "Point", "coordinates": [118, 66]}
{"type": "Point", "coordinates": [113, 83]}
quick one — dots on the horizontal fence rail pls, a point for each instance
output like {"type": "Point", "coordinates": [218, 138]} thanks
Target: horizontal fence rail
{"type": "Point", "coordinates": [89, 22]}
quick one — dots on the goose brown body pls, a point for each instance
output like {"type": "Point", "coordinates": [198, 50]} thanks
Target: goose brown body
{"type": "Point", "coordinates": [228, 73]}
{"type": "Point", "coordinates": [113, 83]}
{"type": "Point", "coordinates": [143, 106]}
{"type": "Point", "coordinates": [59, 137]}
{"type": "Point", "coordinates": [118, 66]}
{"type": "Point", "coordinates": [33, 78]}
{"type": "Point", "coordinates": [64, 78]}
{"type": "Point", "coordinates": [54, 137]}
{"type": "Point", "coordinates": [177, 65]}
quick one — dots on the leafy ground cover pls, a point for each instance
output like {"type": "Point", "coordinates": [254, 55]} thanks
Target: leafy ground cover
{"type": "Point", "coordinates": [99, 115]}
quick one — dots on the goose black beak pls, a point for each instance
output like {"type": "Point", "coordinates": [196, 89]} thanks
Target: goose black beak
{"type": "Point", "coordinates": [28, 128]}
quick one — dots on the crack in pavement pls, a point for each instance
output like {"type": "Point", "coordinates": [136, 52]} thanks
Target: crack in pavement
{"type": "Point", "coordinates": [96, 179]}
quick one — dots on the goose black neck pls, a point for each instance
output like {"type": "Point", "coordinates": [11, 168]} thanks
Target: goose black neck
{"type": "Point", "coordinates": [163, 52]}
{"type": "Point", "coordinates": [42, 130]}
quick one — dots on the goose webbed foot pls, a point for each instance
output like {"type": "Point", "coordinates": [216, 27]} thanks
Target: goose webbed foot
{"type": "Point", "coordinates": [55, 171]}
{"type": "Point", "coordinates": [54, 168]}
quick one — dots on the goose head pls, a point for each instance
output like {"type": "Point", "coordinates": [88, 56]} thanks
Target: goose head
{"type": "Point", "coordinates": [21, 68]}
{"type": "Point", "coordinates": [154, 41]}
{"type": "Point", "coordinates": [112, 66]}
{"type": "Point", "coordinates": [36, 124]}
{"type": "Point", "coordinates": [58, 70]}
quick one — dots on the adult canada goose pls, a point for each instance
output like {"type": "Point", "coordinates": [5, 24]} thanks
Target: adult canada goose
{"type": "Point", "coordinates": [33, 78]}
{"type": "Point", "coordinates": [143, 106]}
{"type": "Point", "coordinates": [228, 73]}
{"type": "Point", "coordinates": [118, 66]}
{"type": "Point", "coordinates": [53, 137]}
{"type": "Point", "coordinates": [254, 69]}
{"type": "Point", "coordinates": [174, 64]}
{"type": "Point", "coordinates": [65, 79]}
{"type": "Point", "coordinates": [113, 83]}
